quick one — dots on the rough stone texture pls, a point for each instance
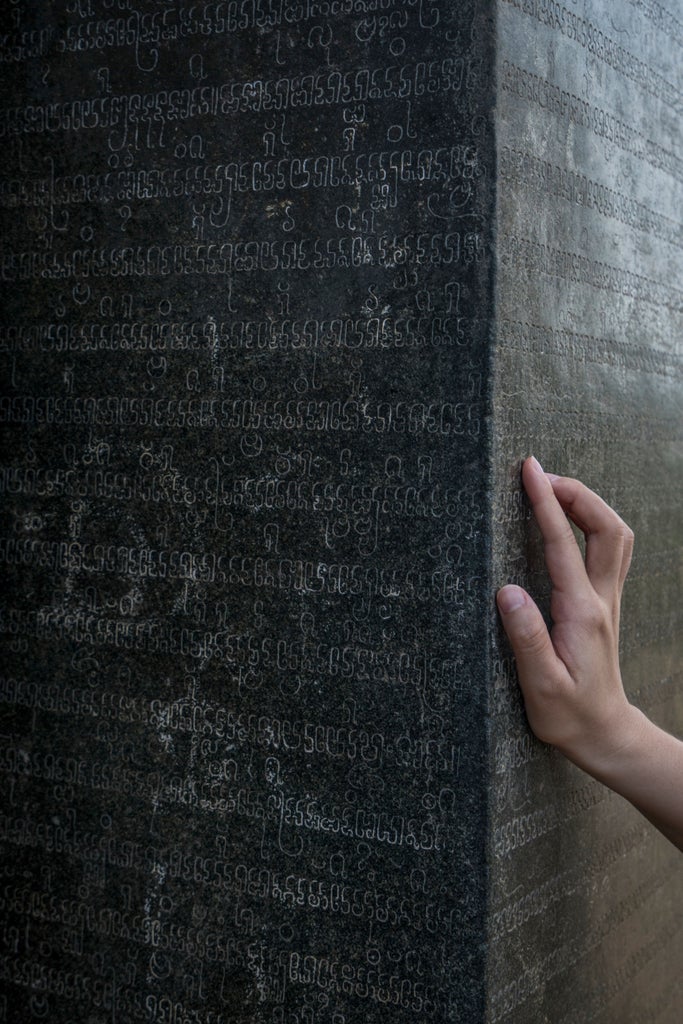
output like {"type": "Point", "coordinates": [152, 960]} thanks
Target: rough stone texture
{"type": "Point", "coordinates": [269, 383]}
{"type": "Point", "coordinates": [585, 896]}
{"type": "Point", "coordinates": [247, 323]}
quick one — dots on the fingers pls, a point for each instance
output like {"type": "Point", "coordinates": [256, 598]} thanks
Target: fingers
{"type": "Point", "coordinates": [568, 678]}
{"type": "Point", "coordinates": [609, 541]}
{"type": "Point", "coordinates": [562, 555]}
{"type": "Point", "coordinates": [529, 638]}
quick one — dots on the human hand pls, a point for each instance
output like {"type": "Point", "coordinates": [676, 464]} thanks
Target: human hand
{"type": "Point", "coordinates": [570, 677]}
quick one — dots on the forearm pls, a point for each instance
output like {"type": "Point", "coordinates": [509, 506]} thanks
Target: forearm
{"type": "Point", "coordinates": [646, 767]}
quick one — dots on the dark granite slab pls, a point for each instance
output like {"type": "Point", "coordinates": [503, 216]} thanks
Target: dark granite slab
{"type": "Point", "coordinates": [268, 384]}
{"type": "Point", "coordinates": [247, 305]}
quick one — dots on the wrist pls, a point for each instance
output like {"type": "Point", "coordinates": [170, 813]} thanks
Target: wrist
{"type": "Point", "coordinates": [644, 764]}
{"type": "Point", "coordinates": [614, 751]}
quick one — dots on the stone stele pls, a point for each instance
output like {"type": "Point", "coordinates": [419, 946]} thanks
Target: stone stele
{"type": "Point", "coordinates": [289, 289]}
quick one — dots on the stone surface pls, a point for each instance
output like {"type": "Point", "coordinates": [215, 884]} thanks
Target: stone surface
{"type": "Point", "coordinates": [269, 383]}
{"type": "Point", "coordinates": [247, 274]}
{"type": "Point", "coordinates": [585, 895]}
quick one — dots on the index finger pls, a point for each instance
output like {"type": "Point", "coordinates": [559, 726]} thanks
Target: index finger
{"type": "Point", "coordinates": [562, 555]}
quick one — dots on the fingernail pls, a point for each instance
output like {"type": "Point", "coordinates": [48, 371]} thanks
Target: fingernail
{"type": "Point", "coordinates": [510, 598]}
{"type": "Point", "coordinates": [552, 477]}
{"type": "Point", "coordinates": [536, 465]}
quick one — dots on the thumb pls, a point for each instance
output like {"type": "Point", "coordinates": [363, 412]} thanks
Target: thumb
{"type": "Point", "coordinates": [528, 635]}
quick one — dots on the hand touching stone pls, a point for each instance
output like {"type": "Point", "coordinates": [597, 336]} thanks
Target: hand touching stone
{"type": "Point", "coordinates": [570, 677]}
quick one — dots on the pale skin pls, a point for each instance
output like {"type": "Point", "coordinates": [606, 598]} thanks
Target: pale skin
{"type": "Point", "coordinates": [570, 677]}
